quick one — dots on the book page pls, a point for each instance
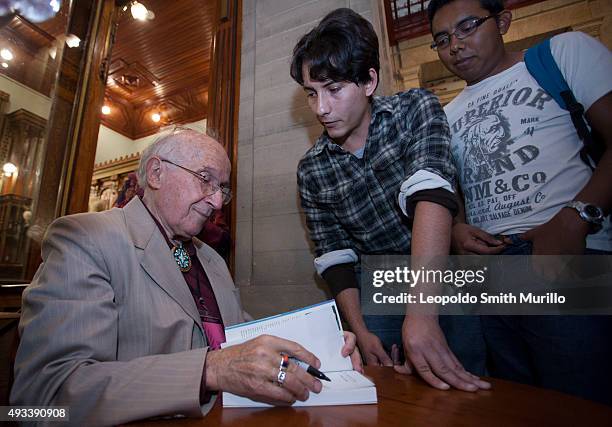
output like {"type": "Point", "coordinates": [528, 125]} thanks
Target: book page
{"type": "Point", "coordinates": [316, 328]}
{"type": "Point", "coordinates": [345, 380]}
{"type": "Point", "coordinates": [346, 388]}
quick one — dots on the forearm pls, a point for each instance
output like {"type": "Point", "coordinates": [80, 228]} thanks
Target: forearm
{"type": "Point", "coordinates": [460, 217]}
{"type": "Point", "coordinates": [430, 231]}
{"type": "Point", "coordinates": [597, 190]}
{"type": "Point", "coordinates": [430, 241]}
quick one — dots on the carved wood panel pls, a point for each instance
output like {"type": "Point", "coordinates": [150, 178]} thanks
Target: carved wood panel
{"type": "Point", "coordinates": [224, 94]}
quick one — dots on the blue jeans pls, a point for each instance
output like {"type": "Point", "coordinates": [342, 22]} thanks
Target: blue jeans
{"type": "Point", "coordinates": [388, 329]}
{"type": "Point", "coordinates": [571, 354]}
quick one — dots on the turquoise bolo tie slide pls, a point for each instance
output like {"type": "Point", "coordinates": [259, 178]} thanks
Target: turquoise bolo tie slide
{"type": "Point", "coordinates": [182, 258]}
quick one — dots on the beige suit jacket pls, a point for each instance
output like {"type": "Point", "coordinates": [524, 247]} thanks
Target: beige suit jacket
{"type": "Point", "coordinates": [109, 326]}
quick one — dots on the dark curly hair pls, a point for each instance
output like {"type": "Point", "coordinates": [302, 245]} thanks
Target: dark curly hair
{"type": "Point", "coordinates": [343, 47]}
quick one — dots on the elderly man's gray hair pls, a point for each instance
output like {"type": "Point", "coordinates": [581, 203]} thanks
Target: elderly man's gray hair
{"type": "Point", "coordinates": [166, 146]}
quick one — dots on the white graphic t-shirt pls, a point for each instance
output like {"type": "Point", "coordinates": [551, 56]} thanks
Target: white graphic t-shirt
{"type": "Point", "coordinates": [517, 151]}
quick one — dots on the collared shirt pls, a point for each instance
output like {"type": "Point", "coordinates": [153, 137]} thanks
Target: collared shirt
{"type": "Point", "coordinates": [354, 203]}
{"type": "Point", "coordinates": [205, 300]}
{"type": "Point", "coordinates": [201, 291]}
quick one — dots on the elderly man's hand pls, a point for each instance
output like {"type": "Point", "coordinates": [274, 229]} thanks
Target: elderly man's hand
{"type": "Point", "coordinates": [350, 349]}
{"type": "Point", "coordinates": [251, 370]}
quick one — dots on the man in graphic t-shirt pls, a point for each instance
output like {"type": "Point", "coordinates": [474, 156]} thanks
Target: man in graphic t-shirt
{"type": "Point", "coordinates": [525, 188]}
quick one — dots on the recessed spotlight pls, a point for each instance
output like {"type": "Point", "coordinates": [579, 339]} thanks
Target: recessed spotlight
{"type": "Point", "coordinates": [139, 11]}
{"type": "Point", "coordinates": [6, 54]}
{"type": "Point", "coordinates": [106, 110]}
{"type": "Point", "coordinates": [4, 65]}
{"type": "Point", "coordinates": [73, 41]}
{"type": "Point", "coordinates": [155, 117]}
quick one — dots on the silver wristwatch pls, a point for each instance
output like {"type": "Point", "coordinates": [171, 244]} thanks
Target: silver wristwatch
{"type": "Point", "coordinates": [590, 213]}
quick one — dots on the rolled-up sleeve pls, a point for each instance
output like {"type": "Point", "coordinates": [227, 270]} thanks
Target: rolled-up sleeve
{"type": "Point", "coordinates": [429, 164]}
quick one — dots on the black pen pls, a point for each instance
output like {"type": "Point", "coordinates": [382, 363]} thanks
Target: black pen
{"type": "Point", "coordinates": [310, 369]}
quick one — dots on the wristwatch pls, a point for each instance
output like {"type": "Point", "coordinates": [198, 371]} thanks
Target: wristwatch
{"type": "Point", "coordinates": [590, 213]}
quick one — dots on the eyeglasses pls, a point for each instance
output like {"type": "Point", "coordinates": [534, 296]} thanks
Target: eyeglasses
{"type": "Point", "coordinates": [463, 30]}
{"type": "Point", "coordinates": [208, 186]}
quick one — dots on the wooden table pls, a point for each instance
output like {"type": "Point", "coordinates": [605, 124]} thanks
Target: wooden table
{"type": "Point", "coordinates": [408, 401]}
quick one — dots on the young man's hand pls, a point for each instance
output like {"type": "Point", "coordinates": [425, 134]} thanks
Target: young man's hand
{"type": "Point", "coordinates": [427, 353]}
{"type": "Point", "coordinates": [350, 349]}
{"type": "Point", "coordinates": [469, 240]}
{"type": "Point", "coordinates": [372, 349]}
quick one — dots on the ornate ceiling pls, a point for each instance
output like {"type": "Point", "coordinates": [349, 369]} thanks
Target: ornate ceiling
{"type": "Point", "coordinates": [157, 66]}
{"type": "Point", "coordinates": [160, 66]}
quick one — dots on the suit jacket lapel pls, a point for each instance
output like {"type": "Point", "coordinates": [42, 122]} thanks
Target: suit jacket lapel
{"type": "Point", "coordinates": [156, 257]}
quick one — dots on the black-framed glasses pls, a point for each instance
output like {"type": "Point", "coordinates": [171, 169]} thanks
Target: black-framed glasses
{"type": "Point", "coordinates": [463, 30]}
{"type": "Point", "coordinates": [209, 187]}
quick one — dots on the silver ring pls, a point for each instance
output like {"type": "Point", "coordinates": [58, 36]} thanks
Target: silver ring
{"type": "Point", "coordinates": [284, 362]}
{"type": "Point", "coordinates": [281, 377]}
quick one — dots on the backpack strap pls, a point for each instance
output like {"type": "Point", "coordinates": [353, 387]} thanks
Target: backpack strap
{"type": "Point", "coordinates": [542, 66]}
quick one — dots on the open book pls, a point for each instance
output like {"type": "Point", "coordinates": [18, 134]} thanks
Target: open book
{"type": "Point", "coordinates": [319, 330]}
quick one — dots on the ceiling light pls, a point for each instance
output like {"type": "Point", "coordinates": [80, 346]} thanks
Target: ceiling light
{"type": "Point", "coordinates": [55, 5]}
{"type": "Point", "coordinates": [106, 110]}
{"type": "Point", "coordinates": [9, 169]}
{"type": "Point", "coordinates": [4, 65]}
{"type": "Point", "coordinates": [139, 11]}
{"type": "Point", "coordinates": [155, 117]}
{"type": "Point", "coordinates": [73, 41]}
{"type": "Point", "coordinates": [53, 52]}
{"type": "Point", "coordinates": [6, 54]}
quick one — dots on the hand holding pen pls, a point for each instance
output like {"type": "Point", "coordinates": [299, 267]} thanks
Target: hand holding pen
{"type": "Point", "coordinates": [310, 369]}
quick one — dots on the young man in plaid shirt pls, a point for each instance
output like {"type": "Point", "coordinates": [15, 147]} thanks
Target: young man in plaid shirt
{"type": "Point", "coordinates": [379, 180]}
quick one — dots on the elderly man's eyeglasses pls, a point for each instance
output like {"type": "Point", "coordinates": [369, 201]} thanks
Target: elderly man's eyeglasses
{"type": "Point", "coordinates": [463, 30]}
{"type": "Point", "coordinates": [209, 187]}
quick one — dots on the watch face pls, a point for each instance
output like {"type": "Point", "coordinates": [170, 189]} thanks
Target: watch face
{"type": "Point", "coordinates": [592, 211]}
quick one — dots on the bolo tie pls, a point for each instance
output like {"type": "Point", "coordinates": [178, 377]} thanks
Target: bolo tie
{"type": "Point", "coordinates": [183, 260]}
{"type": "Point", "coordinates": [181, 257]}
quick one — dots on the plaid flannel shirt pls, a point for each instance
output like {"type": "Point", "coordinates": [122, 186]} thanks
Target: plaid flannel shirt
{"type": "Point", "coordinates": [352, 203]}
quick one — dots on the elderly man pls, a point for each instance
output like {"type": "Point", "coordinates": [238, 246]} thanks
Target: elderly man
{"type": "Point", "coordinates": [125, 316]}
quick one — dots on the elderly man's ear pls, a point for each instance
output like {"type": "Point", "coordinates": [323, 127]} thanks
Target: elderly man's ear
{"type": "Point", "coordinates": [154, 173]}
